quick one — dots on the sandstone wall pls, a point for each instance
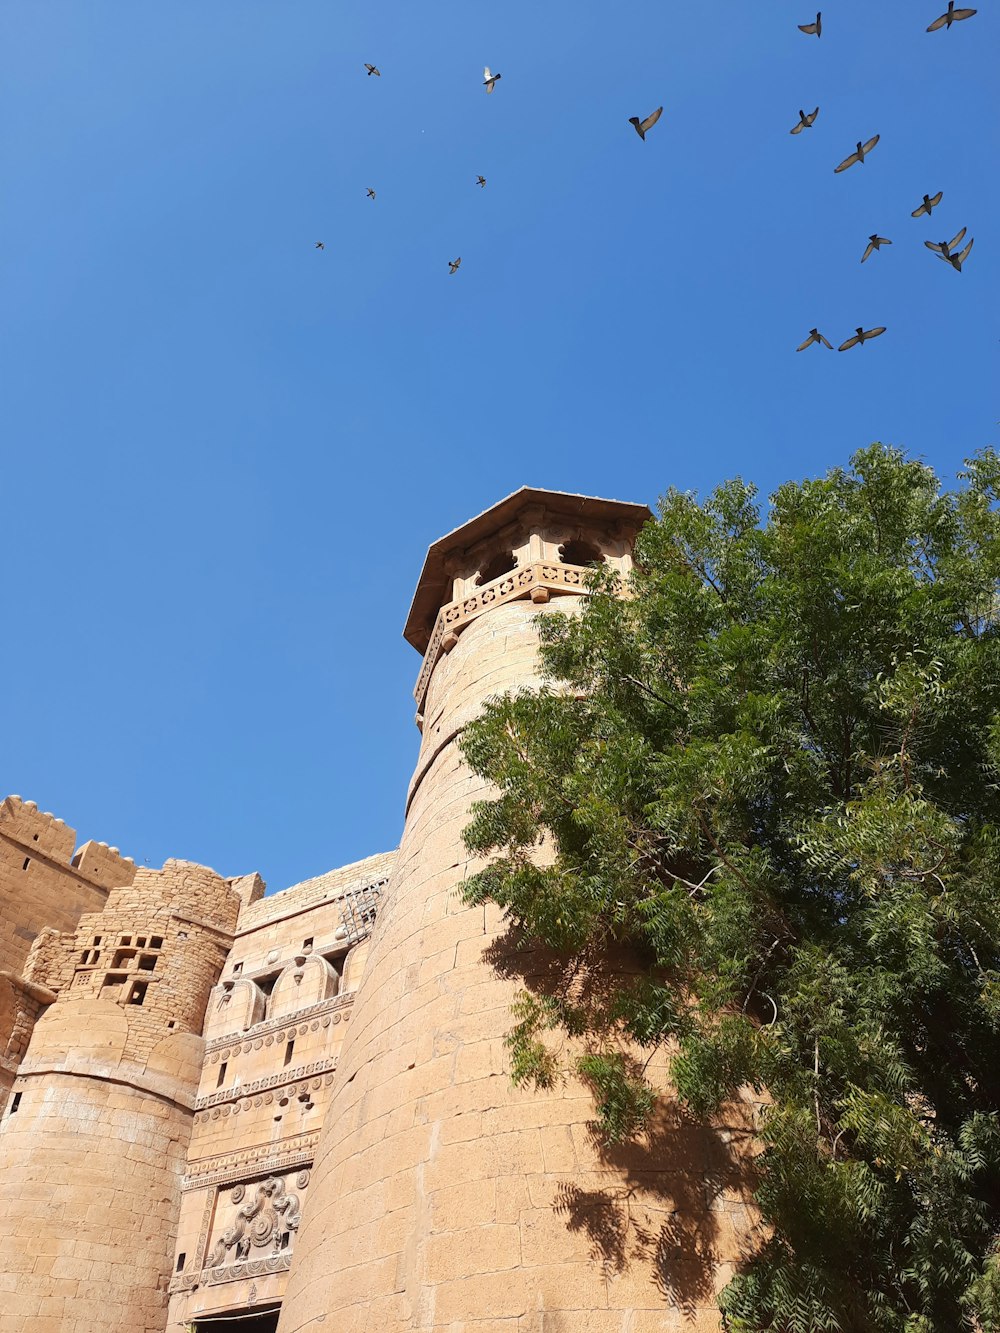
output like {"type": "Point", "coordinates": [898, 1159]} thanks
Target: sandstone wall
{"type": "Point", "coordinates": [44, 883]}
{"type": "Point", "coordinates": [445, 1201]}
{"type": "Point", "coordinates": [274, 1029]}
{"type": "Point", "coordinates": [94, 1141]}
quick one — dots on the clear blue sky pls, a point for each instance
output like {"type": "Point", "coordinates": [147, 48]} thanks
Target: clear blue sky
{"type": "Point", "coordinates": [225, 452]}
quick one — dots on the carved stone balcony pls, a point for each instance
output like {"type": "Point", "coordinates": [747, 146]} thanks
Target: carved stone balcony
{"type": "Point", "coordinates": [538, 581]}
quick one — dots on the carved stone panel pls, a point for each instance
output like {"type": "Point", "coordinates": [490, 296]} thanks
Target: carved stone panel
{"type": "Point", "coordinates": [255, 1224]}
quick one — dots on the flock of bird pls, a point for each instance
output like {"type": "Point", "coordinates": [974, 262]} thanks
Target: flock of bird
{"type": "Point", "coordinates": [945, 250]}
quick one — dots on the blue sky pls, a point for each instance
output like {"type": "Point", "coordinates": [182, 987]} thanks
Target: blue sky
{"type": "Point", "coordinates": [226, 452]}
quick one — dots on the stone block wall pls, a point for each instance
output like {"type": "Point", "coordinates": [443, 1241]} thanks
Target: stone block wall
{"type": "Point", "coordinates": [95, 1137]}
{"type": "Point", "coordinates": [274, 1029]}
{"type": "Point", "coordinates": [44, 884]}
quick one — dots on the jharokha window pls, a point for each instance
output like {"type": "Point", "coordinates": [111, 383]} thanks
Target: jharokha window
{"type": "Point", "coordinates": [497, 565]}
{"type": "Point", "coordinates": [579, 552]}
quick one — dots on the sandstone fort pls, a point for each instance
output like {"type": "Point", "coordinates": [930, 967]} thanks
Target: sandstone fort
{"type": "Point", "coordinates": [242, 1113]}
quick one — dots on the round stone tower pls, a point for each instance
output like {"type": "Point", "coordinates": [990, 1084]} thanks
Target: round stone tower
{"type": "Point", "coordinates": [93, 1142]}
{"type": "Point", "coordinates": [443, 1200]}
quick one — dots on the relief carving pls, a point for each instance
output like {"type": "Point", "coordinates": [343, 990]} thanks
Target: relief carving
{"type": "Point", "coordinates": [264, 1221]}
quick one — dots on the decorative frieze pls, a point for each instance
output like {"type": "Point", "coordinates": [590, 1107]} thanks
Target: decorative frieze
{"type": "Point", "coordinates": [244, 1090]}
{"type": "Point", "coordinates": [534, 581]}
{"type": "Point", "coordinates": [232, 1168]}
{"type": "Point", "coordinates": [278, 1029]}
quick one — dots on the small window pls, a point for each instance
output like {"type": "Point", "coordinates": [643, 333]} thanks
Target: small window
{"type": "Point", "coordinates": [222, 1074]}
{"type": "Point", "coordinates": [307, 944]}
{"type": "Point", "coordinates": [27, 862]}
{"type": "Point", "coordinates": [181, 1260]}
{"type": "Point", "coordinates": [289, 1048]}
{"type": "Point", "coordinates": [579, 552]}
{"type": "Point", "coordinates": [137, 995]}
{"type": "Point", "coordinates": [15, 1102]}
{"type": "Point", "coordinates": [140, 941]}
{"type": "Point", "coordinates": [122, 957]}
{"type": "Point", "coordinates": [266, 984]}
{"type": "Point", "coordinates": [498, 565]}
{"type": "Point", "coordinates": [237, 969]}
{"type": "Point", "coordinates": [97, 940]}
{"type": "Point", "coordinates": [113, 979]}
{"type": "Point", "coordinates": [125, 939]}
{"type": "Point", "coordinates": [156, 942]}
{"type": "Point", "coordinates": [34, 837]}
{"type": "Point", "coordinates": [147, 962]}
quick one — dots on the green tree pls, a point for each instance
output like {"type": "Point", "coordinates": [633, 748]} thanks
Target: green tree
{"type": "Point", "coordinates": [770, 770]}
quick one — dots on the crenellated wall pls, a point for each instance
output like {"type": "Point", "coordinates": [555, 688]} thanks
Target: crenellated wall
{"type": "Point", "coordinates": [44, 884]}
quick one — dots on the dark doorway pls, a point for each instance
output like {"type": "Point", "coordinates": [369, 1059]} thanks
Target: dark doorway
{"type": "Point", "coordinates": [241, 1321]}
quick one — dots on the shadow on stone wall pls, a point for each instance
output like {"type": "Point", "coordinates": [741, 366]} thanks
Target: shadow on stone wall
{"type": "Point", "coordinates": [677, 1202]}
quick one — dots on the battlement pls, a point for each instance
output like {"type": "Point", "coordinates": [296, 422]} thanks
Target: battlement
{"type": "Point", "coordinates": [40, 833]}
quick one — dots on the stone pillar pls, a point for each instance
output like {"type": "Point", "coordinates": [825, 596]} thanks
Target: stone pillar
{"type": "Point", "coordinates": [443, 1200]}
{"type": "Point", "coordinates": [94, 1140]}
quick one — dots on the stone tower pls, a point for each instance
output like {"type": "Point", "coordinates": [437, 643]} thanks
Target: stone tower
{"type": "Point", "coordinates": [443, 1200]}
{"type": "Point", "coordinates": [93, 1145]}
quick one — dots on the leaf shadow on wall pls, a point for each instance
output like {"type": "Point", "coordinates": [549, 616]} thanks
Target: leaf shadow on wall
{"type": "Point", "coordinates": [677, 1212]}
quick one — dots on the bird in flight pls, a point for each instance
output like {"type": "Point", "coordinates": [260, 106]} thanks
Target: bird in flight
{"type": "Point", "coordinates": [951, 15]}
{"type": "Point", "coordinates": [811, 28]}
{"type": "Point", "coordinates": [641, 126]}
{"type": "Point", "coordinates": [373, 69]}
{"type": "Point", "coordinates": [944, 248]}
{"type": "Point", "coordinates": [319, 246]}
{"type": "Point", "coordinates": [931, 201]}
{"type": "Point", "coordinates": [956, 261]}
{"type": "Point", "coordinates": [490, 80]}
{"type": "Point", "coordinates": [875, 242]}
{"type": "Point", "coordinates": [859, 154]}
{"type": "Point", "coordinates": [861, 336]}
{"type": "Point", "coordinates": [453, 264]}
{"type": "Point", "coordinates": [814, 337]}
{"type": "Point", "coordinates": [805, 122]}
{"type": "Point", "coordinates": [370, 193]}
{"type": "Point", "coordinates": [481, 182]}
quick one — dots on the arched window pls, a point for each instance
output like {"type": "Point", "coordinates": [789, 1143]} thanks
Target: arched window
{"type": "Point", "coordinates": [497, 565]}
{"type": "Point", "coordinates": [579, 552]}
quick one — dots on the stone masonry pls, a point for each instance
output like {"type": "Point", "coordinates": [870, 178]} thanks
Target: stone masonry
{"type": "Point", "coordinates": [220, 1107]}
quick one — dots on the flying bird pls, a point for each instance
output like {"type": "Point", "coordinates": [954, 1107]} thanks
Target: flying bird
{"type": "Point", "coordinates": [811, 28]}
{"type": "Point", "coordinates": [373, 69]}
{"type": "Point", "coordinates": [481, 182]}
{"type": "Point", "coordinates": [956, 261]}
{"type": "Point", "coordinates": [814, 337]}
{"type": "Point", "coordinates": [930, 202]}
{"type": "Point", "coordinates": [944, 248]}
{"type": "Point", "coordinates": [453, 264]}
{"type": "Point", "coordinates": [952, 15]}
{"type": "Point", "coordinates": [490, 80]}
{"type": "Point", "coordinates": [319, 246]}
{"type": "Point", "coordinates": [641, 126]}
{"type": "Point", "coordinates": [875, 242]}
{"type": "Point", "coordinates": [805, 122]}
{"type": "Point", "coordinates": [370, 193]}
{"type": "Point", "coordinates": [859, 154]}
{"type": "Point", "coordinates": [861, 336]}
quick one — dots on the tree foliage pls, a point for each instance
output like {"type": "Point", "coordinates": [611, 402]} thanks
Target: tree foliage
{"type": "Point", "coordinates": [770, 769]}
